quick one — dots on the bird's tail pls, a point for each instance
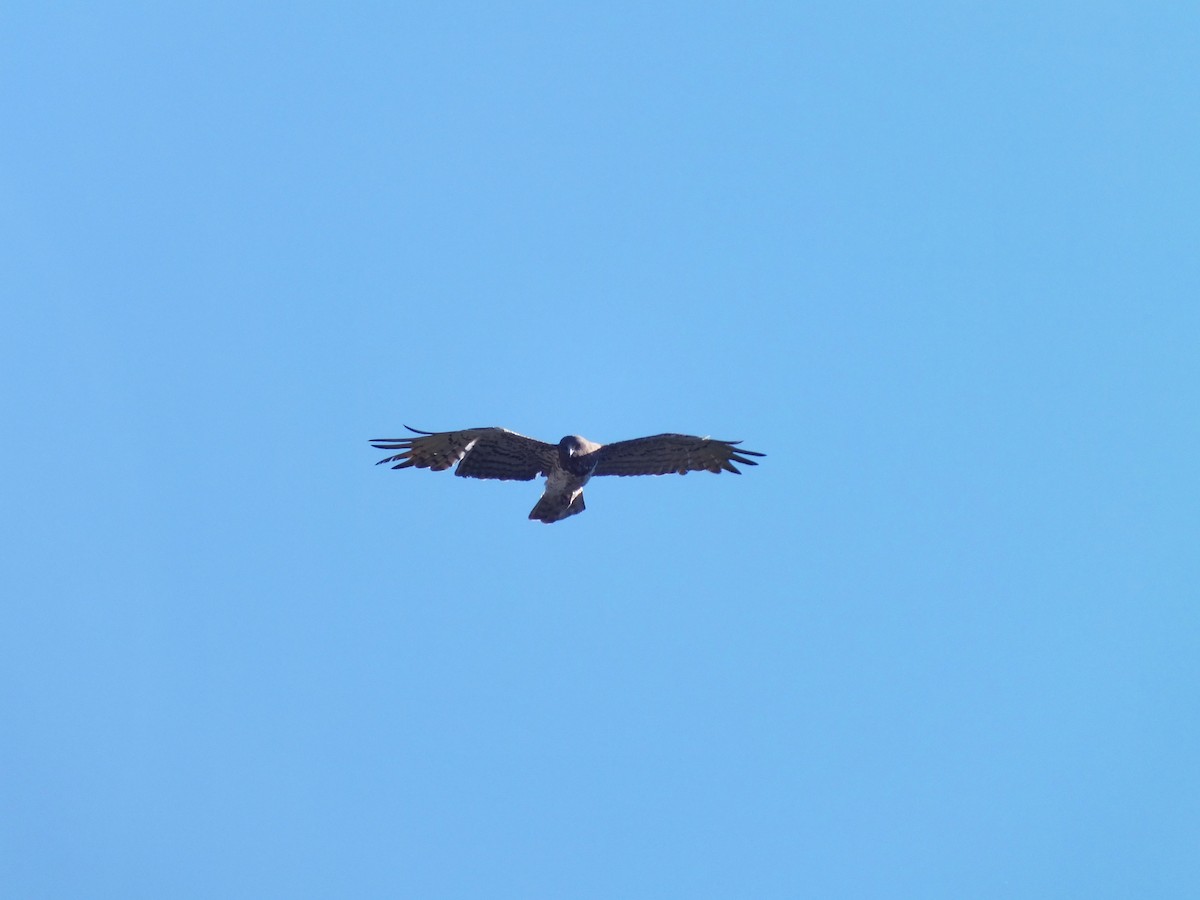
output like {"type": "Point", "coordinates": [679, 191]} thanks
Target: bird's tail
{"type": "Point", "coordinates": [555, 507]}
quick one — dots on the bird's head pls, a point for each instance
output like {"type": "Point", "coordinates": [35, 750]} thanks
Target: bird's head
{"type": "Point", "coordinates": [570, 449]}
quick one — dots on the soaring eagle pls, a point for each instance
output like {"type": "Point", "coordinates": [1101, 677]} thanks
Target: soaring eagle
{"type": "Point", "coordinates": [508, 456]}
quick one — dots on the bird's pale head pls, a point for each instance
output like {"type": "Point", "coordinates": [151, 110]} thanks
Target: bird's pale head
{"type": "Point", "coordinates": [571, 449]}
{"type": "Point", "coordinates": [571, 445]}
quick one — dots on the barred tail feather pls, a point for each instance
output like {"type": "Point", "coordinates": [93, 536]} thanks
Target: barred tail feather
{"type": "Point", "coordinates": [554, 507]}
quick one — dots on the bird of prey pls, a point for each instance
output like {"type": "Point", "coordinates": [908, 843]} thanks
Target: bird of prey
{"type": "Point", "coordinates": [568, 465]}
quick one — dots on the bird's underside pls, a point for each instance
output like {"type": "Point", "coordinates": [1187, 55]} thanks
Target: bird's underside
{"type": "Point", "coordinates": [568, 465]}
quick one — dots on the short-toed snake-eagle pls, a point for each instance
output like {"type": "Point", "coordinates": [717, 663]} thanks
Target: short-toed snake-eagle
{"type": "Point", "coordinates": [567, 465]}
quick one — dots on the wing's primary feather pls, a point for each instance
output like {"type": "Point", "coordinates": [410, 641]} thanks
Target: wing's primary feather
{"type": "Point", "coordinates": [480, 453]}
{"type": "Point", "coordinates": [666, 453]}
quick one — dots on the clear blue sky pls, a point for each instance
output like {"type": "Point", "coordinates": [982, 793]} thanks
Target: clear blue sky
{"type": "Point", "coordinates": [940, 261]}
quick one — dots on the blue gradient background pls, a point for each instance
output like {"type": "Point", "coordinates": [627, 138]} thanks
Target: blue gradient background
{"type": "Point", "coordinates": [939, 261]}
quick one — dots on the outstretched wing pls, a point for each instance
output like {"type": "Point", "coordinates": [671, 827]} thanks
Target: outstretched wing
{"type": "Point", "coordinates": [665, 453]}
{"type": "Point", "coordinates": [479, 452]}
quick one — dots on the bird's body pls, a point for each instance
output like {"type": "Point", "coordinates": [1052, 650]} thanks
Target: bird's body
{"type": "Point", "coordinates": [563, 497]}
{"type": "Point", "coordinates": [575, 463]}
{"type": "Point", "coordinates": [568, 466]}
